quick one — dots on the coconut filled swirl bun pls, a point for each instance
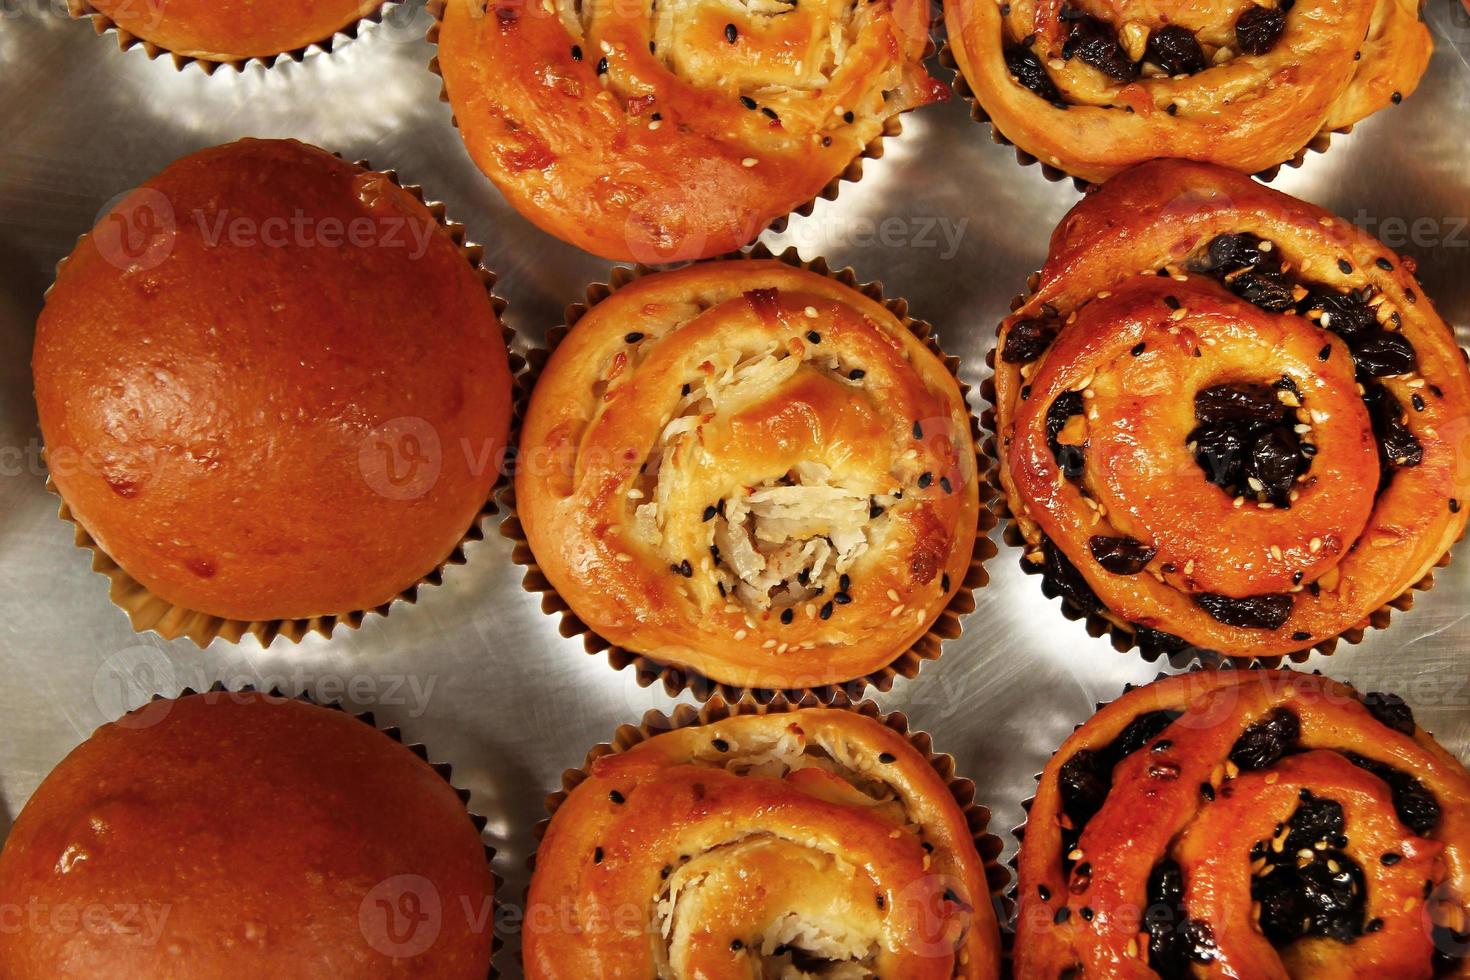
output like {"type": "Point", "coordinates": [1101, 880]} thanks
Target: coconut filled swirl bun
{"type": "Point", "coordinates": [1229, 419]}
{"type": "Point", "coordinates": [752, 470]}
{"type": "Point", "coordinates": [662, 130]}
{"type": "Point", "coordinates": [1092, 88]}
{"type": "Point", "coordinates": [1260, 824]}
{"type": "Point", "coordinates": [809, 843]}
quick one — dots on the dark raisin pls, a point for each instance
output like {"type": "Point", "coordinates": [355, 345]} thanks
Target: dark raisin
{"type": "Point", "coordinates": [1121, 556]}
{"type": "Point", "coordinates": [1282, 907]}
{"type": "Point", "coordinates": [1381, 354]}
{"type": "Point", "coordinates": [1259, 28]}
{"type": "Point", "coordinates": [1138, 733]}
{"type": "Point", "coordinates": [1316, 819]}
{"type": "Point", "coordinates": [1152, 641]}
{"type": "Point", "coordinates": [1397, 446]}
{"type": "Point", "coordinates": [1097, 45]}
{"type": "Point", "coordinates": [1227, 253]}
{"type": "Point", "coordinates": [1275, 461]}
{"type": "Point", "coordinates": [1066, 581]}
{"type": "Point", "coordinates": [1069, 458]}
{"type": "Point", "coordinates": [1269, 289]}
{"type": "Point", "coordinates": [1261, 612]}
{"type": "Point", "coordinates": [1346, 314]}
{"type": "Point", "coordinates": [1390, 710]}
{"type": "Point", "coordinates": [1083, 782]}
{"type": "Point", "coordinates": [1415, 804]}
{"type": "Point", "coordinates": [1028, 339]}
{"type": "Point", "coordinates": [1220, 452]}
{"type": "Point", "coordinates": [1028, 70]}
{"type": "Point", "coordinates": [1239, 403]}
{"type": "Point", "coordinates": [1333, 899]}
{"type": "Point", "coordinates": [1267, 740]}
{"type": "Point", "coordinates": [1176, 50]}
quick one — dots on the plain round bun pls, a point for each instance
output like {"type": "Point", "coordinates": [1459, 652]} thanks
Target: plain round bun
{"type": "Point", "coordinates": [229, 835]}
{"type": "Point", "coordinates": [233, 30]}
{"type": "Point", "coordinates": [271, 385]}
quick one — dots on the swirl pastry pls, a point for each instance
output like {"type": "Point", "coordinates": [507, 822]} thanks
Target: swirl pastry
{"type": "Point", "coordinates": [1261, 824]}
{"type": "Point", "coordinates": [228, 31]}
{"type": "Point", "coordinates": [755, 471]}
{"type": "Point", "coordinates": [661, 130]}
{"type": "Point", "coordinates": [1228, 418]}
{"type": "Point", "coordinates": [1092, 88]}
{"type": "Point", "coordinates": [810, 843]}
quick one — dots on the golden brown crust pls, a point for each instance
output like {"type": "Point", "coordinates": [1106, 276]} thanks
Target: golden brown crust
{"type": "Point", "coordinates": [228, 835]}
{"type": "Point", "coordinates": [680, 129]}
{"type": "Point", "coordinates": [1337, 62]}
{"type": "Point", "coordinates": [704, 849]}
{"type": "Point", "coordinates": [229, 31]}
{"type": "Point", "coordinates": [1341, 548]}
{"type": "Point", "coordinates": [1180, 796]}
{"type": "Point", "coordinates": [770, 412]}
{"type": "Point", "coordinates": [288, 400]}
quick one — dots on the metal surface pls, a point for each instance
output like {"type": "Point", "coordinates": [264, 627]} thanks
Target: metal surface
{"type": "Point", "coordinates": [475, 670]}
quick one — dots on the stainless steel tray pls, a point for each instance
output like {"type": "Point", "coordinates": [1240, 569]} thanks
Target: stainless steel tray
{"type": "Point", "coordinates": [475, 670]}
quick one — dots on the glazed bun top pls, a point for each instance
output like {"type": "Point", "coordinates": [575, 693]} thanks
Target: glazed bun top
{"type": "Point", "coordinates": [229, 835]}
{"type": "Point", "coordinates": [233, 30]}
{"type": "Point", "coordinates": [271, 385]}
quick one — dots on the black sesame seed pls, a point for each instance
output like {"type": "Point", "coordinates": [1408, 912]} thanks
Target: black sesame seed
{"type": "Point", "coordinates": [841, 598]}
{"type": "Point", "coordinates": [814, 337]}
{"type": "Point", "coordinates": [747, 101]}
{"type": "Point", "coordinates": [1385, 265]}
{"type": "Point", "coordinates": [597, 856]}
{"type": "Point", "coordinates": [881, 901]}
{"type": "Point", "coordinates": [1418, 401]}
{"type": "Point", "coordinates": [736, 945]}
{"type": "Point", "coordinates": [1345, 266]}
{"type": "Point", "coordinates": [656, 116]}
{"type": "Point", "coordinates": [1296, 578]}
{"type": "Point", "coordinates": [632, 338]}
{"type": "Point", "coordinates": [1324, 353]}
{"type": "Point", "coordinates": [874, 511]}
{"type": "Point", "coordinates": [787, 615]}
{"type": "Point", "coordinates": [1139, 348]}
{"type": "Point", "coordinates": [826, 141]}
{"type": "Point", "coordinates": [1397, 97]}
{"type": "Point", "coordinates": [1025, 392]}
{"type": "Point", "coordinates": [1373, 925]}
{"type": "Point", "coordinates": [848, 117]}
{"type": "Point", "coordinates": [856, 374]}
{"type": "Point", "coordinates": [721, 745]}
{"type": "Point", "coordinates": [602, 66]}
{"type": "Point", "coordinates": [1172, 109]}
{"type": "Point", "coordinates": [945, 485]}
{"type": "Point", "coordinates": [1086, 913]}
{"type": "Point", "coordinates": [685, 569]}
{"type": "Point", "coordinates": [714, 553]}
{"type": "Point", "coordinates": [1172, 302]}
{"type": "Point", "coordinates": [1207, 791]}
{"type": "Point", "coordinates": [844, 582]}
{"type": "Point", "coordinates": [1063, 914]}
{"type": "Point", "coordinates": [944, 583]}
{"type": "Point", "coordinates": [918, 430]}
{"type": "Point", "coordinates": [925, 479]}
{"type": "Point", "coordinates": [771, 113]}
{"type": "Point", "coordinates": [576, 52]}
{"type": "Point", "coordinates": [1044, 892]}
{"type": "Point", "coordinates": [617, 797]}
{"type": "Point", "coordinates": [710, 512]}
{"type": "Point", "coordinates": [684, 391]}
{"type": "Point", "coordinates": [664, 873]}
{"type": "Point", "coordinates": [886, 758]}
{"type": "Point", "coordinates": [1301, 635]}
{"type": "Point", "coordinates": [731, 34]}
{"type": "Point", "coordinates": [826, 612]}
{"type": "Point", "coordinates": [1454, 506]}
{"type": "Point", "coordinates": [1390, 859]}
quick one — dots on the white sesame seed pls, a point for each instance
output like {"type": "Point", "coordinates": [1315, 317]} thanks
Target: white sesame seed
{"type": "Point", "coordinates": [749, 162]}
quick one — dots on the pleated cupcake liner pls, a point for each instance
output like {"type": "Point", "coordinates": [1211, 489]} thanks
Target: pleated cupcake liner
{"type": "Point", "coordinates": [654, 723]}
{"type": "Point", "coordinates": [676, 678]}
{"type": "Point", "coordinates": [103, 24]}
{"type": "Point", "coordinates": [148, 612]}
{"type": "Point", "coordinates": [1123, 638]}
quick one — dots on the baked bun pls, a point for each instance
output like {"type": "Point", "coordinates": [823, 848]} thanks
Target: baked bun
{"type": "Point", "coordinates": [1229, 419]}
{"type": "Point", "coordinates": [271, 385]}
{"type": "Point", "coordinates": [676, 130]}
{"type": "Point", "coordinates": [230, 31]}
{"type": "Point", "coordinates": [1092, 88]}
{"type": "Point", "coordinates": [1247, 824]}
{"type": "Point", "coordinates": [227, 836]}
{"type": "Point", "coordinates": [751, 470]}
{"type": "Point", "coordinates": [817, 840]}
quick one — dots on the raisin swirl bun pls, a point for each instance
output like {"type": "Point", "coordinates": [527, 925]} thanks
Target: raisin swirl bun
{"type": "Point", "coordinates": [664, 131]}
{"type": "Point", "coordinates": [1229, 419]}
{"type": "Point", "coordinates": [1092, 88]}
{"type": "Point", "coordinates": [794, 843]}
{"type": "Point", "coordinates": [755, 471]}
{"type": "Point", "coordinates": [1261, 824]}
